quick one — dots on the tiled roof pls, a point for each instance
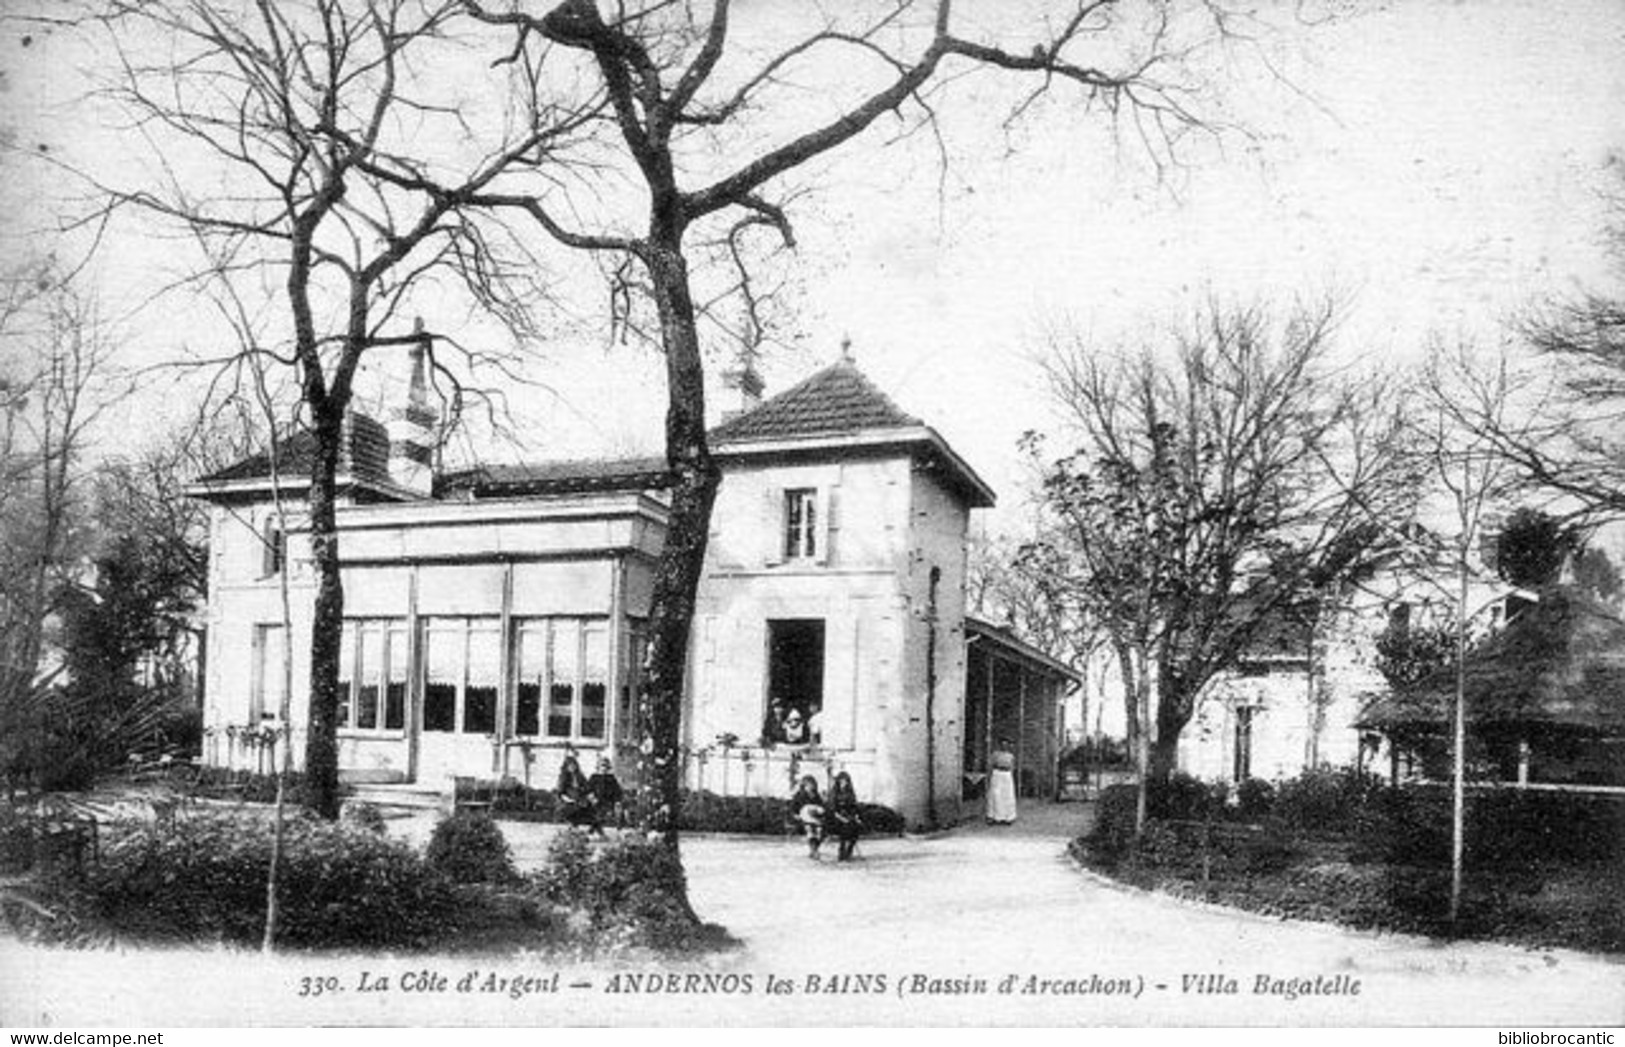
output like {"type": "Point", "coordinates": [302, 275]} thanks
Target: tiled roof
{"type": "Point", "coordinates": [836, 400]}
{"type": "Point", "coordinates": [513, 481]}
{"type": "Point", "coordinates": [1560, 663]}
{"type": "Point", "coordinates": [293, 460]}
{"type": "Point", "coordinates": [364, 454]}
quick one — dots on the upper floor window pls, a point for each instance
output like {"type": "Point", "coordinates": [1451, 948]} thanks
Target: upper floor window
{"type": "Point", "coordinates": [801, 523]}
{"type": "Point", "coordinates": [274, 549]}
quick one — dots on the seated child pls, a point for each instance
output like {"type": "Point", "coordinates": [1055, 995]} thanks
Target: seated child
{"type": "Point", "coordinates": [575, 805]}
{"type": "Point", "coordinates": [807, 808]}
{"type": "Point", "coordinates": [605, 794]}
{"type": "Point", "coordinates": [842, 817]}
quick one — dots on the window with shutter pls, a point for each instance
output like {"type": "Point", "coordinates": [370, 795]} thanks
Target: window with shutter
{"type": "Point", "coordinates": [802, 523]}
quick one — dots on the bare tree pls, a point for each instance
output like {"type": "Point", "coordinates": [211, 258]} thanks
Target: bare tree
{"type": "Point", "coordinates": [1469, 420]}
{"type": "Point", "coordinates": [1212, 492]}
{"type": "Point", "coordinates": [143, 516]}
{"type": "Point", "coordinates": [54, 375]}
{"type": "Point", "coordinates": [1003, 587]}
{"type": "Point", "coordinates": [290, 140]}
{"type": "Point", "coordinates": [708, 121]}
{"type": "Point", "coordinates": [1556, 419]}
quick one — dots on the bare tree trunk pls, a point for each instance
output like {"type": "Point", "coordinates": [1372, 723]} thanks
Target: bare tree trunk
{"type": "Point", "coordinates": [273, 879]}
{"type": "Point", "coordinates": [1131, 700]}
{"type": "Point", "coordinates": [1458, 776]}
{"type": "Point", "coordinates": [321, 735]}
{"type": "Point", "coordinates": [1164, 755]}
{"type": "Point", "coordinates": [694, 487]}
{"type": "Point", "coordinates": [1174, 704]}
{"type": "Point", "coordinates": [1136, 690]}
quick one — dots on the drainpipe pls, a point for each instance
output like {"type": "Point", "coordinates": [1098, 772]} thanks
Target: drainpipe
{"type": "Point", "coordinates": [931, 700]}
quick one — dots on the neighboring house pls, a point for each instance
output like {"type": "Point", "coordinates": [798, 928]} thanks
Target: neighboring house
{"type": "Point", "coordinates": [1544, 700]}
{"type": "Point", "coordinates": [1290, 704]}
{"type": "Point", "coordinates": [1297, 701]}
{"type": "Point", "coordinates": [495, 616]}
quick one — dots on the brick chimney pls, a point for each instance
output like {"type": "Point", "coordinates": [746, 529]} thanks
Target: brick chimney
{"type": "Point", "coordinates": [412, 427]}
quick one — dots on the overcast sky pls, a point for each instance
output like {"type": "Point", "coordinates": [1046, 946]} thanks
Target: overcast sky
{"type": "Point", "coordinates": [1438, 165]}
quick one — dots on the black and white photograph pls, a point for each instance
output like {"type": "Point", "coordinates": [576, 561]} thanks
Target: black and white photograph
{"type": "Point", "coordinates": [812, 514]}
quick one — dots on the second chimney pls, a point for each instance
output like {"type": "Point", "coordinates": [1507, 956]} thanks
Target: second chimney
{"type": "Point", "coordinates": [412, 426]}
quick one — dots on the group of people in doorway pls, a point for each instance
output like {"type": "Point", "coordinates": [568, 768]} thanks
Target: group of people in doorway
{"type": "Point", "coordinates": [787, 723]}
{"type": "Point", "coordinates": [821, 818]}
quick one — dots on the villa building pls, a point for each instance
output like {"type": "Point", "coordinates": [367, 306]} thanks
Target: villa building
{"type": "Point", "coordinates": [495, 616]}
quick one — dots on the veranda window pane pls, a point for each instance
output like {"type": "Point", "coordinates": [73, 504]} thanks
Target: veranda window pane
{"type": "Point", "coordinates": [346, 672]}
{"type": "Point", "coordinates": [532, 672]}
{"type": "Point", "coordinates": [372, 664]}
{"type": "Point", "coordinates": [400, 667]}
{"type": "Point", "coordinates": [561, 692]}
{"type": "Point", "coordinates": [631, 674]}
{"type": "Point", "coordinates": [594, 681]}
{"type": "Point", "coordinates": [443, 671]}
{"type": "Point", "coordinates": [480, 697]}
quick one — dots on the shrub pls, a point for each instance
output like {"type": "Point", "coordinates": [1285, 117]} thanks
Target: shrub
{"type": "Point", "coordinates": [1512, 827]}
{"type": "Point", "coordinates": [1164, 846]}
{"type": "Point", "coordinates": [515, 802]}
{"type": "Point", "coordinates": [709, 812]}
{"type": "Point", "coordinates": [1113, 832]}
{"type": "Point", "coordinates": [1181, 797]}
{"type": "Point", "coordinates": [1255, 799]}
{"type": "Point", "coordinates": [363, 816]}
{"type": "Point", "coordinates": [767, 815]}
{"type": "Point", "coordinates": [220, 782]}
{"type": "Point", "coordinates": [628, 891]}
{"type": "Point", "coordinates": [468, 847]}
{"type": "Point", "coordinates": [1503, 829]}
{"type": "Point", "coordinates": [881, 821]}
{"type": "Point", "coordinates": [17, 831]}
{"type": "Point", "coordinates": [1327, 800]}
{"type": "Point", "coordinates": [204, 880]}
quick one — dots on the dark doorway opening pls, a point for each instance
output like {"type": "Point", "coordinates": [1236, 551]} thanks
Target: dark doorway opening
{"type": "Point", "coordinates": [1242, 768]}
{"type": "Point", "coordinates": [795, 681]}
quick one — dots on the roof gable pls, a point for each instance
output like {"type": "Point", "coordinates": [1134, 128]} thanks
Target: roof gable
{"type": "Point", "coordinates": [839, 399]}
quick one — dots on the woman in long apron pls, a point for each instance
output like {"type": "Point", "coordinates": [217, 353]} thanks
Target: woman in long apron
{"type": "Point", "coordinates": [1001, 785]}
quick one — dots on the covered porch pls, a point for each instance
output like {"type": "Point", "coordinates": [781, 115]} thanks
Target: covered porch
{"type": "Point", "coordinates": [1016, 692]}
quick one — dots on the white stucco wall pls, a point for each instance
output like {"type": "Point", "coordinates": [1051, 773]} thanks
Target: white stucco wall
{"type": "Point", "coordinates": [1282, 723]}
{"type": "Point", "coordinates": [852, 585]}
{"type": "Point", "coordinates": [938, 523]}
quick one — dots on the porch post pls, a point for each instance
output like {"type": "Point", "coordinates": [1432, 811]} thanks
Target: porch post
{"type": "Point", "coordinates": [617, 655]}
{"type": "Point", "coordinates": [505, 710]}
{"type": "Point", "coordinates": [1021, 724]}
{"type": "Point", "coordinates": [414, 672]}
